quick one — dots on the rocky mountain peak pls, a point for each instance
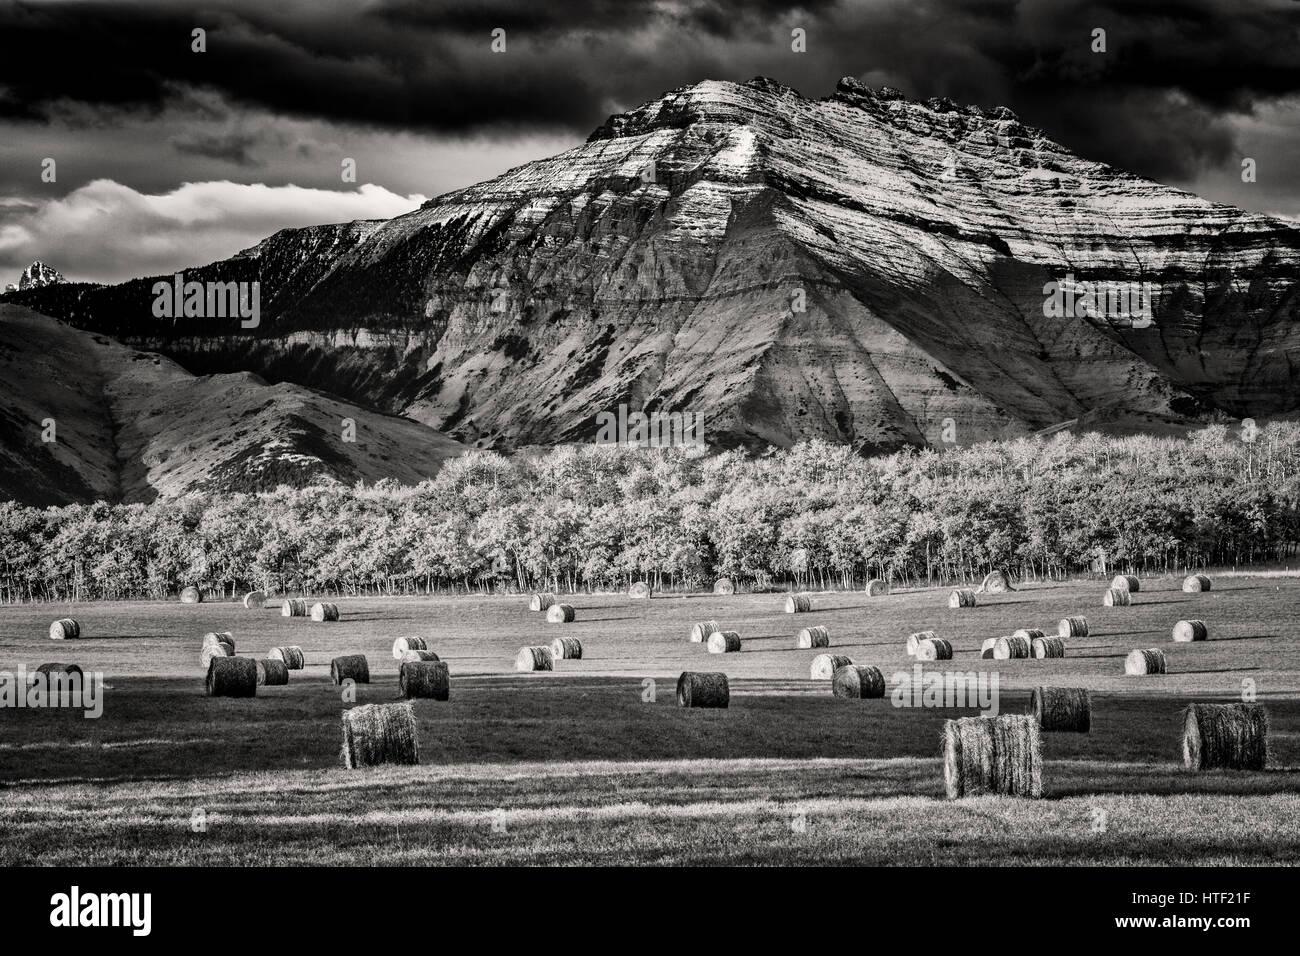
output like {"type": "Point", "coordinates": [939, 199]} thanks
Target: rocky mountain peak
{"type": "Point", "coordinates": [852, 90]}
{"type": "Point", "coordinates": [938, 117]}
{"type": "Point", "coordinates": [38, 274]}
{"type": "Point", "coordinates": [768, 85]}
{"type": "Point", "coordinates": [770, 108]}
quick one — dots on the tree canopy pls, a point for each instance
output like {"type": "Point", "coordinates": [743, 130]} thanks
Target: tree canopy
{"type": "Point", "coordinates": [597, 517]}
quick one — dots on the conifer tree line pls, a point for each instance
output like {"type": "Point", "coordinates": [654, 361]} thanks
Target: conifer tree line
{"type": "Point", "coordinates": [598, 518]}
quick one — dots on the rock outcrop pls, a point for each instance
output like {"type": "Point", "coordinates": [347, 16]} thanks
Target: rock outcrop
{"type": "Point", "coordinates": [862, 268]}
{"type": "Point", "coordinates": [38, 275]}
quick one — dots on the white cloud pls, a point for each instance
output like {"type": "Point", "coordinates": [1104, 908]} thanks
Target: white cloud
{"type": "Point", "coordinates": [107, 232]}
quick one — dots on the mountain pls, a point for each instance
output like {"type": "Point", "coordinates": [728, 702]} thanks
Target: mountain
{"type": "Point", "coordinates": [38, 274]}
{"type": "Point", "coordinates": [862, 268]}
{"type": "Point", "coordinates": [131, 425]}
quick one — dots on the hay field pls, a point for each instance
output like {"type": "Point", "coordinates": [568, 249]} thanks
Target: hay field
{"type": "Point", "coordinates": [575, 765]}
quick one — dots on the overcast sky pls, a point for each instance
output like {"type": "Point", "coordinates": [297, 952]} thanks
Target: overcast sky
{"type": "Point", "coordinates": [167, 158]}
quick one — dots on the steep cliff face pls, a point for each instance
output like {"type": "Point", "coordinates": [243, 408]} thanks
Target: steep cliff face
{"type": "Point", "coordinates": [861, 268]}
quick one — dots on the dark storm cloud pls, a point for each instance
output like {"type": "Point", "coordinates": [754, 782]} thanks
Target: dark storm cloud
{"type": "Point", "coordinates": [717, 17]}
{"type": "Point", "coordinates": [317, 60]}
{"type": "Point", "coordinates": [1160, 101]}
{"type": "Point", "coordinates": [234, 148]}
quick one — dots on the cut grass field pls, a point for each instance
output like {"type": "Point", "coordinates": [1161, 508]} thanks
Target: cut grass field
{"type": "Point", "coordinates": [577, 766]}
{"type": "Point", "coordinates": [803, 811]}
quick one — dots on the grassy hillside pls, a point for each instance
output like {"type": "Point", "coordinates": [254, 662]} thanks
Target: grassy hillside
{"type": "Point", "coordinates": [134, 425]}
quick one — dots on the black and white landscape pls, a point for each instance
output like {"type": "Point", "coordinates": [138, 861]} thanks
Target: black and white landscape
{"type": "Point", "coordinates": [850, 433]}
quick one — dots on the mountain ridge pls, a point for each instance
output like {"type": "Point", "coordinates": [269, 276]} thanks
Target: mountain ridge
{"type": "Point", "coordinates": [128, 426]}
{"type": "Point", "coordinates": [655, 264]}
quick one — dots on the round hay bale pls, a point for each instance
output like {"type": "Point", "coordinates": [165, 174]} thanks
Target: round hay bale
{"type": "Point", "coordinates": [1047, 647]}
{"type": "Point", "coordinates": [416, 656]}
{"type": "Point", "coordinates": [914, 639]}
{"type": "Point", "coordinates": [1126, 582]}
{"type": "Point", "coordinates": [293, 607]}
{"type": "Point", "coordinates": [995, 582]}
{"type": "Point", "coordinates": [216, 645]}
{"type": "Point", "coordinates": [561, 614]}
{"type": "Point", "coordinates": [701, 630]}
{"type": "Point", "coordinates": [1187, 631]}
{"type": "Point", "coordinates": [703, 689]}
{"type": "Point", "coordinates": [1072, 627]}
{"type": "Point", "coordinates": [219, 637]}
{"type": "Point", "coordinates": [961, 597]}
{"type": "Point", "coordinates": [724, 642]}
{"type": "Point", "coordinates": [824, 665]}
{"type": "Point", "coordinates": [1148, 661]}
{"type": "Point", "coordinates": [231, 677]}
{"type": "Point", "coordinates": [798, 604]}
{"type": "Point", "coordinates": [935, 649]}
{"type": "Point", "coordinates": [1001, 755]}
{"type": "Point", "coordinates": [858, 681]}
{"type": "Point", "coordinates": [819, 636]}
{"type": "Point", "coordinates": [293, 657]}
{"type": "Point", "coordinates": [566, 649]}
{"type": "Point", "coordinates": [430, 680]}
{"type": "Point", "coordinates": [376, 734]}
{"type": "Point", "coordinates": [191, 595]}
{"type": "Point", "coordinates": [640, 590]}
{"type": "Point", "coordinates": [1196, 583]}
{"type": "Point", "coordinates": [322, 611]}
{"type": "Point", "coordinates": [876, 587]}
{"type": "Point", "coordinates": [65, 629]}
{"type": "Point", "coordinates": [272, 673]}
{"type": "Point", "coordinates": [541, 601]}
{"type": "Point", "coordinates": [404, 644]}
{"type": "Point", "coordinates": [1061, 709]}
{"type": "Point", "coordinates": [1011, 648]}
{"type": "Point", "coordinates": [986, 649]}
{"type": "Point", "coordinates": [1030, 634]}
{"type": "Point", "coordinates": [254, 600]}
{"type": "Point", "coordinates": [1117, 597]}
{"type": "Point", "coordinates": [352, 667]}
{"type": "Point", "coordinates": [724, 586]}
{"type": "Point", "coordinates": [1225, 736]}
{"type": "Point", "coordinates": [534, 659]}
{"type": "Point", "coordinates": [209, 651]}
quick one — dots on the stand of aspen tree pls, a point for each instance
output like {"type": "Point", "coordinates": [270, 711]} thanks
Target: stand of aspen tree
{"type": "Point", "coordinates": [575, 518]}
